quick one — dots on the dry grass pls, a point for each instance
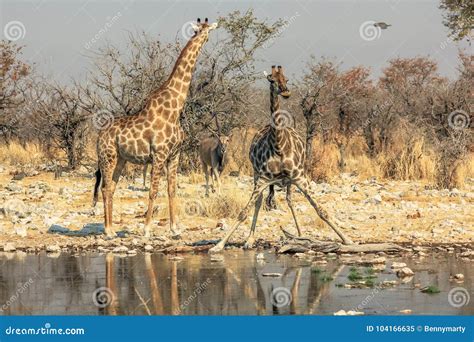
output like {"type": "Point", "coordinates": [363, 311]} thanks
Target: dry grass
{"type": "Point", "coordinates": [216, 207]}
{"type": "Point", "coordinates": [325, 162]}
{"type": "Point", "coordinates": [15, 154]}
{"type": "Point", "coordinates": [408, 161]}
{"type": "Point", "coordinates": [197, 177]}
{"type": "Point", "coordinates": [227, 205]}
{"type": "Point", "coordinates": [238, 151]}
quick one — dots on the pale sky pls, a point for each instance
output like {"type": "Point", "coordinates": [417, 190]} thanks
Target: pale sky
{"type": "Point", "coordinates": [56, 32]}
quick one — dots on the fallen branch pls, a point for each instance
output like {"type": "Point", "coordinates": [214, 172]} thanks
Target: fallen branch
{"type": "Point", "coordinates": [296, 244]}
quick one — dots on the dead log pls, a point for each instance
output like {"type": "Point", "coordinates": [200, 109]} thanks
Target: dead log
{"type": "Point", "coordinates": [296, 244]}
{"type": "Point", "coordinates": [370, 247]}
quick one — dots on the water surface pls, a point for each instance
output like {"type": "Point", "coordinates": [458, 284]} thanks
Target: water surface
{"type": "Point", "coordinates": [233, 284]}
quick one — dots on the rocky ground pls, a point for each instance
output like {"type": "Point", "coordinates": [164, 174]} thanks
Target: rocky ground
{"type": "Point", "coordinates": [39, 212]}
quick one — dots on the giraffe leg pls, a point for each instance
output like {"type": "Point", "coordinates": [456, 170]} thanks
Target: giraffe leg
{"type": "Point", "coordinates": [251, 239]}
{"type": "Point", "coordinates": [171, 174]}
{"type": "Point", "coordinates": [145, 168]}
{"type": "Point", "coordinates": [258, 189]}
{"type": "Point", "coordinates": [303, 185]}
{"type": "Point", "coordinates": [270, 203]}
{"type": "Point", "coordinates": [111, 173]}
{"type": "Point", "coordinates": [290, 204]}
{"type": "Point", "coordinates": [154, 182]}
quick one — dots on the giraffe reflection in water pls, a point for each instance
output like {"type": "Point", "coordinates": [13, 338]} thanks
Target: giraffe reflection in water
{"type": "Point", "coordinates": [194, 286]}
{"type": "Point", "coordinates": [236, 283]}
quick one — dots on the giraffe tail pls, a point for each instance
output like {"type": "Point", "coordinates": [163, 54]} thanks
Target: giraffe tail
{"type": "Point", "coordinates": [98, 176]}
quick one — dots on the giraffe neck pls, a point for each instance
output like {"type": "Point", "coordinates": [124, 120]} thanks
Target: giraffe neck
{"type": "Point", "coordinates": [180, 79]}
{"type": "Point", "coordinates": [275, 111]}
{"type": "Point", "coordinates": [274, 99]}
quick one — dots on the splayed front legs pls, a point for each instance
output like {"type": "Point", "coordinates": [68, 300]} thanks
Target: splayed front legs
{"type": "Point", "coordinates": [256, 197]}
{"type": "Point", "coordinates": [257, 191]}
{"type": "Point", "coordinates": [303, 185]}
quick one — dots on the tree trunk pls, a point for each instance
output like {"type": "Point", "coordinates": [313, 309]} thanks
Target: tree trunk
{"type": "Point", "coordinates": [342, 159]}
{"type": "Point", "coordinates": [370, 139]}
{"type": "Point", "coordinates": [310, 132]}
{"type": "Point", "coordinates": [71, 151]}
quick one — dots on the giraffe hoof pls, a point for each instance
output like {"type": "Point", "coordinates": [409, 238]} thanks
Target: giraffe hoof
{"type": "Point", "coordinates": [249, 244]}
{"type": "Point", "coordinates": [216, 249]}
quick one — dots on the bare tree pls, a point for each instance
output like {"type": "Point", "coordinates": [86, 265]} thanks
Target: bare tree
{"type": "Point", "coordinates": [458, 17]}
{"type": "Point", "coordinates": [59, 119]}
{"type": "Point", "coordinates": [315, 89]}
{"type": "Point", "coordinates": [13, 83]}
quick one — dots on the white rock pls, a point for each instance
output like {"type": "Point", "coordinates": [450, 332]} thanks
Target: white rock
{"type": "Point", "coordinates": [15, 207]}
{"type": "Point", "coordinates": [377, 199]}
{"type": "Point", "coordinates": [120, 249]}
{"type": "Point", "coordinates": [9, 247]}
{"type": "Point", "coordinates": [348, 313]}
{"type": "Point", "coordinates": [405, 272]}
{"type": "Point", "coordinates": [21, 231]}
{"type": "Point", "coordinates": [398, 265]}
{"type": "Point", "coordinates": [459, 276]}
{"type": "Point", "coordinates": [148, 248]}
{"type": "Point", "coordinates": [53, 249]}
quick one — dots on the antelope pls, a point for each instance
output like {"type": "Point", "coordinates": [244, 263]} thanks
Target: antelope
{"type": "Point", "coordinates": [212, 153]}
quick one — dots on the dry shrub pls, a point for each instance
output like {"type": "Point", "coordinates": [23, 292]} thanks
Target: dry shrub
{"type": "Point", "coordinates": [325, 161]}
{"type": "Point", "coordinates": [196, 177]}
{"type": "Point", "coordinates": [358, 161]}
{"type": "Point", "coordinates": [453, 173]}
{"type": "Point", "coordinates": [408, 159]}
{"type": "Point", "coordinates": [238, 151]}
{"type": "Point", "coordinates": [356, 146]}
{"type": "Point", "coordinates": [363, 166]}
{"type": "Point", "coordinates": [225, 206]}
{"type": "Point", "coordinates": [15, 154]}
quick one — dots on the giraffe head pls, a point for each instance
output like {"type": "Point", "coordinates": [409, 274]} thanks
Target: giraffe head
{"type": "Point", "coordinates": [278, 82]}
{"type": "Point", "coordinates": [201, 30]}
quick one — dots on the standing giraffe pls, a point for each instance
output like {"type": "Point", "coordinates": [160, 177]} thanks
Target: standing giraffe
{"type": "Point", "coordinates": [277, 154]}
{"type": "Point", "coordinates": [153, 136]}
{"type": "Point", "coordinates": [270, 203]}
